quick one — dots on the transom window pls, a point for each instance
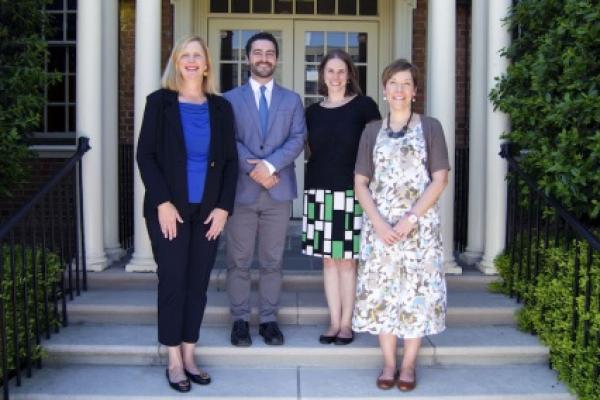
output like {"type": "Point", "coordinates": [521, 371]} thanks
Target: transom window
{"type": "Point", "coordinates": [59, 111]}
{"type": "Point", "coordinates": [304, 7]}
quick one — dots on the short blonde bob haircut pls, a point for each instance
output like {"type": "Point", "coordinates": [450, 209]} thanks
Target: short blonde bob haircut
{"type": "Point", "coordinates": [171, 78]}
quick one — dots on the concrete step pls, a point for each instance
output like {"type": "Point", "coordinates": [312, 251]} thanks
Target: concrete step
{"type": "Point", "coordinates": [138, 306]}
{"type": "Point", "coordinates": [293, 280]}
{"type": "Point", "coordinates": [137, 345]}
{"type": "Point", "coordinates": [509, 382]}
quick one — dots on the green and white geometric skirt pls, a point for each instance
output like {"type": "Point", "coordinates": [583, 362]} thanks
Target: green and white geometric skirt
{"type": "Point", "coordinates": [331, 224]}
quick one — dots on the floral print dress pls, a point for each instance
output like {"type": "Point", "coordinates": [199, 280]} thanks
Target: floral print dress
{"type": "Point", "coordinates": [401, 289]}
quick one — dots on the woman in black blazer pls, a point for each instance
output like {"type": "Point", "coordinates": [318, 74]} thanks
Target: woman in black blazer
{"type": "Point", "coordinates": [188, 162]}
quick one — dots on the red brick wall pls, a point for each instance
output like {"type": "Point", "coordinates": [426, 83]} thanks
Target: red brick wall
{"type": "Point", "coordinates": [419, 51]}
{"type": "Point", "coordinates": [127, 59]}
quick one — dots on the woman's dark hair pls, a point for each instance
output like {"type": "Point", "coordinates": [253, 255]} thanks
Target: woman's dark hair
{"type": "Point", "coordinates": [261, 36]}
{"type": "Point", "coordinates": [352, 86]}
{"type": "Point", "coordinates": [400, 65]}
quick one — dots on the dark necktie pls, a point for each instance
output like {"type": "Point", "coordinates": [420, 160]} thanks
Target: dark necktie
{"type": "Point", "coordinates": [263, 110]}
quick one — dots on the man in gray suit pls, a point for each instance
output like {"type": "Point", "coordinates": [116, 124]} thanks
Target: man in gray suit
{"type": "Point", "coordinates": [270, 133]}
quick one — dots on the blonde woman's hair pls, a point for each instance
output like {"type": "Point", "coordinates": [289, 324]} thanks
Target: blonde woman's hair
{"type": "Point", "coordinates": [171, 78]}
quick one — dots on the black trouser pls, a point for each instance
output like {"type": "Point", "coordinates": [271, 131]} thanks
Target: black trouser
{"type": "Point", "coordinates": [184, 266]}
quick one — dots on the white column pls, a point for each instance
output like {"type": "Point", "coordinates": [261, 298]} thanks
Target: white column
{"type": "Point", "coordinates": [497, 123]}
{"type": "Point", "coordinates": [183, 23]}
{"type": "Point", "coordinates": [441, 81]}
{"type": "Point", "coordinates": [89, 123]}
{"type": "Point", "coordinates": [403, 28]}
{"type": "Point", "coordinates": [147, 79]}
{"type": "Point", "coordinates": [110, 127]}
{"type": "Point", "coordinates": [477, 133]}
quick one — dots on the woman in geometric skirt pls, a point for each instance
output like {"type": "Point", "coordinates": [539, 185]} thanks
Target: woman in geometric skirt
{"type": "Point", "coordinates": [401, 171]}
{"type": "Point", "coordinates": [332, 216]}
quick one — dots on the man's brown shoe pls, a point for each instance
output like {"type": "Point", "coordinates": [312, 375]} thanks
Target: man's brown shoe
{"type": "Point", "coordinates": [387, 383]}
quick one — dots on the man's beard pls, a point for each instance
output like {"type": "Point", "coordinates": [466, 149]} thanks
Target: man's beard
{"type": "Point", "coordinates": [262, 72]}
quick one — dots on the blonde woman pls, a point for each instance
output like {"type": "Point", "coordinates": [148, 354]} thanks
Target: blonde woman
{"type": "Point", "coordinates": [401, 171]}
{"type": "Point", "coordinates": [188, 162]}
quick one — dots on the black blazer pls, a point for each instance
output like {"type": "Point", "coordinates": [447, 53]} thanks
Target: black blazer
{"type": "Point", "coordinates": [162, 156]}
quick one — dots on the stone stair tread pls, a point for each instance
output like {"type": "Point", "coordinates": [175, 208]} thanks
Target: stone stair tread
{"type": "Point", "coordinates": [137, 345]}
{"type": "Point", "coordinates": [511, 382]}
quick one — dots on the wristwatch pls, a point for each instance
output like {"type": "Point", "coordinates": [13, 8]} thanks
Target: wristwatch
{"type": "Point", "coordinates": [412, 217]}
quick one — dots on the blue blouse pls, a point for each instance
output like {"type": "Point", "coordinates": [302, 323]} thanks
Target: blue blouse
{"type": "Point", "coordinates": [196, 131]}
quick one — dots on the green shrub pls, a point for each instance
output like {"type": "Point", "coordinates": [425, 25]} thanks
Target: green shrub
{"type": "Point", "coordinates": [46, 283]}
{"type": "Point", "coordinates": [548, 311]}
{"type": "Point", "coordinates": [550, 92]}
{"type": "Point", "coordinates": [22, 81]}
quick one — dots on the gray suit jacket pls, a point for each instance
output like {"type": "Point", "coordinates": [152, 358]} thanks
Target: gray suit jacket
{"type": "Point", "coordinates": [282, 143]}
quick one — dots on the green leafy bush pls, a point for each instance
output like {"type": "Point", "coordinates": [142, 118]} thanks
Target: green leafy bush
{"type": "Point", "coordinates": [46, 280]}
{"type": "Point", "coordinates": [550, 92]}
{"type": "Point", "coordinates": [548, 310]}
{"type": "Point", "coordinates": [22, 81]}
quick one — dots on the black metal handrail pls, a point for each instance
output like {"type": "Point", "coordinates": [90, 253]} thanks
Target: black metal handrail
{"type": "Point", "coordinates": [42, 262]}
{"type": "Point", "coordinates": [535, 222]}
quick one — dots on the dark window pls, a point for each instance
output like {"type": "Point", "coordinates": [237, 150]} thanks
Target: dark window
{"type": "Point", "coordinates": [305, 6]}
{"type": "Point", "coordinates": [219, 6]}
{"type": "Point", "coordinates": [368, 7]}
{"type": "Point", "coordinates": [283, 6]}
{"type": "Point", "coordinates": [240, 6]}
{"type": "Point", "coordinates": [347, 7]}
{"type": "Point", "coordinates": [326, 7]}
{"type": "Point", "coordinates": [261, 6]}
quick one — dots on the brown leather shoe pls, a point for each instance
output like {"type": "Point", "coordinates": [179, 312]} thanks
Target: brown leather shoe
{"type": "Point", "coordinates": [386, 383]}
{"type": "Point", "coordinates": [407, 386]}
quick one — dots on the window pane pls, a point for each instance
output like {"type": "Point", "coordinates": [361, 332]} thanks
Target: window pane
{"type": "Point", "coordinates": [245, 36]}
{"type": "Point", "coordinates": [56, 92]}
{"type": "Point", "coordinates": [55, 27]}
{"type": "Point", "coordinates": [72, 59]}
{"type": "Point", "coordinates": [218, 6]}
{"type": "Point", "coordinates": [228, 41]}
{"type": "Point", "coordinates": [72, 88]}
{"type": "Point", "coordinates": [325, 6]}
{"type": "Point", "coordinates": [314, 45]}
{"type": "Point", "coordinates": [336, 40]}
{"type": "Point", "coordinates": [305, 6]}
{"type": "Point", "coordinates": [283, 6]}
{"type": "Point", "coordinates": [72, 5]}
{"type": "Point", "coordinates": [362, 77]}
{"type": "Point", "coordinates": [368, 7]}
{"type": "Point", "coordinates": [311, 80]}
{"type": "Point", "coordinates": [240, 6]}
{"type": "Point", "coordinates": [228, 77]}
{"type": "Point", "coordinates": [71, 26]}
{"type": "Point", "coordinates": [56, 61]}
{"type": "Point", "coordinates": [347, 7]}
{"type": "Point", "coordinates": [245, 73]}
{"type": "Point", "coordinates": [56, 119]}
{"type": "Point", "coordinates": [72, 119]}
{"type": "Point", "coordinates": [261, 6]}
{"type": "Point", "coordinates": [357, 46]}
{"type": "Point", "coordinates": [55, 5]}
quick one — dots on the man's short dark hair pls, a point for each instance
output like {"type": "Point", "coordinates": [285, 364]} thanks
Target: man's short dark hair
{"type": "Point", "coordinates": [262, 36]}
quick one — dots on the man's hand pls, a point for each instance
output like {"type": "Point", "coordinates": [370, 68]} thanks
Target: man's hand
{"type": "Point", "coordinates": [260, 173]}
{"type": "Point", "coordinates": [271, 181]}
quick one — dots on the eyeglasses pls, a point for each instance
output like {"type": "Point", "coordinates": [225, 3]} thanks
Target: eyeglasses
{"type": "Point", "coordinates": [191, 57]}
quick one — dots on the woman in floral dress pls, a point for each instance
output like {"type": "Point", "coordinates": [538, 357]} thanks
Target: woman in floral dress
{"type": "Point", "coordinates": [401, 171]}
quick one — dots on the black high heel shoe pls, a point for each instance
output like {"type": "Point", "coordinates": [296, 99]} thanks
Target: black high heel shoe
{"type": "Point", "coordinates": [201, 379]}
{"type": "Point", "coordinates": [182, 386]}
{"type": "Point", "coordinates": [341, 341]}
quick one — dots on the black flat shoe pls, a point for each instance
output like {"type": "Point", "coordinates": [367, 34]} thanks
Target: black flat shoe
{"type": "Point", "coordinates": [342, 341]}
{"type": "Point", "coordinates": [181, 386]}
{"type": "Point", "coordinates": [324, 339]}
{"type": "Point", "coordinates": [201, 379]}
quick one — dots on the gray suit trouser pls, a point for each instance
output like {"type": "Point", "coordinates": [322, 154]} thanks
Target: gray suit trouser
{"type": "Point", "coordinates": [267, 221]}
